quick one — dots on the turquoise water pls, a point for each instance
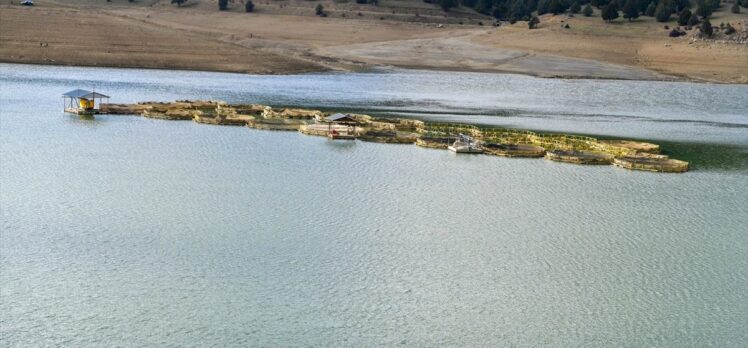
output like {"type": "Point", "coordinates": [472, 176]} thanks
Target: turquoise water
{"type": "Point", "coordinates": [126, 231]}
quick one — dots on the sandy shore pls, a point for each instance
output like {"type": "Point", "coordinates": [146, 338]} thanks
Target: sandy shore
{"type": "Point", "coordinates": [283, 37]}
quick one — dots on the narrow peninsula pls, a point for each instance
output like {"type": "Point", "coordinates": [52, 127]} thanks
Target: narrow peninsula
{"type": "Point", "coordinates": [487, 140]}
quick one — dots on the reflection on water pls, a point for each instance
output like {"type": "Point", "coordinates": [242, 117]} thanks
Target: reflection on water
{"type": "Point", "coordinates": [132, 231]}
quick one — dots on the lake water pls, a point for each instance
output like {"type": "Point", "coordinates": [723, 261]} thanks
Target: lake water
{"type": "Point", "coordinates": [127, 231]}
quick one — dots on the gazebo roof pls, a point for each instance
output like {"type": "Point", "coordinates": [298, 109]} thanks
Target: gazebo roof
{"type": "Point", "coordinates": [340, 118]}
{"type": "Point", "coordinates": [82, 93]}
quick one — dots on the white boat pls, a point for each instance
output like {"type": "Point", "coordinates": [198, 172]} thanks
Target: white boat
{"type": "Point", "coordinates": [465, 144]}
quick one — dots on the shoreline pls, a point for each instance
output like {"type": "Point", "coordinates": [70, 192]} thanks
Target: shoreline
{"type": "Point", "coordinates": [382, 68]}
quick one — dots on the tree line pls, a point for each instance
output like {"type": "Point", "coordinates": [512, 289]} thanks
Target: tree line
{"type": "Point", "coordinates": [523, 10]}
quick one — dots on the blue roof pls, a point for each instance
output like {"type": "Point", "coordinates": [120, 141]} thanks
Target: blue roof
{"type": "Point", "coordinates": [82, 93]}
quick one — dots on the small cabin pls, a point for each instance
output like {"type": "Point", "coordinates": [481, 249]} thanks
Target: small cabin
{"type": "Point", "coordinates": [83, 102]}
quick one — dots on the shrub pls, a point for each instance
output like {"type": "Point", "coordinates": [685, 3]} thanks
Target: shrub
{"type": "Point", "coordinates": [319, 10]}
{"type": "Point", "coordinates": [729, 30]}
{"type": "Point", "coordinates": [694, 20]}
{"type": "Point", "coordinates": [533, 23]}
{"type": "Point", "coordinates": [587, 10]}
{"type": "Point", "coordinates": [361, 1]}
{"type": "Point", "coordinates": [249, 6]}
{"type": "Point", "coordinates": [223, 5]}
{"type": "Point", "coordinates": [674, 33]}
{"type": "Point", "coordinates": [735, 8]}
{"type": "Point", "coordinates": [706, 27]}
{"type": "Point", "coordinates": [178, 2]}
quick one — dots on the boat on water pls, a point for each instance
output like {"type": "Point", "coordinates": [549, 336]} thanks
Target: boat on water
{"type": "Point", "coordinates": [465, 144]}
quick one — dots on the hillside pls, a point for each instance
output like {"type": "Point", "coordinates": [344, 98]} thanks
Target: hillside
{"type": "Point", "coordinates": [285, 36]}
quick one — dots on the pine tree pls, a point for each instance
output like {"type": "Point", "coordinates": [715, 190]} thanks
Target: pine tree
{"type": "Point", "coordinates": [610, 12]}
{"type": "Point", "coordinates": [543, 6]}
{"type": "Point", "coordinates": [499, 11]}
{"type": "Point", "coordinates": [662, 12]}
{"type": "Point", "coordinates": [681, 5]}
{"type": "Point", "coordinates": [447, 4]}
{"type": "Point", "coordinates": [319, 10]}
{"type": "Point", "coordinates": [249, 6]}
{"type": "Point", "coordinates": [587, 11]}
{"type": "Point", "coordinates": [650, 11]}
{"type": "Point", "coordinates": [484, 6]}
{"type": "Point", "coordinates": [735, 8]}
{"type": "Point", "coordinates": [223, 5]}
{"type": "Point", "coordinates": [556, 7]}
{"type": "Point", "coordinates": [704, 9]}
{"type": "Point", "coordinates": [575, 7]}
{"type": "Point", "coordinates": [519, 10]}
{"type": "Point", "coordinates": [641, 5]}
{"type": "Point", "coordinates": [630, 11]}
{"type": "Point", "coordinates": [532, 5]}
{"type": "Point", "coordinates": [684, 17]}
